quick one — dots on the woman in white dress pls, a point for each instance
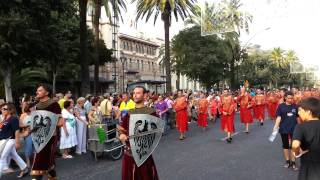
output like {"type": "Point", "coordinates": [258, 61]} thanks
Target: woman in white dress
{"type": "Point", "coordinates": [80, 113]}
{"type": "Point", "coordinates": [68, 137]}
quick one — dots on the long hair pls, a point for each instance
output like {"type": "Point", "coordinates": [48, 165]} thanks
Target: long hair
{"type": "Point", "coordinates": [11, 108]}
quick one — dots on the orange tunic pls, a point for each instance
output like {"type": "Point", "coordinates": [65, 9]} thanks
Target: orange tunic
{"type": "Point", "coordinates": [245, 108]}
{"type": "Point", "coordinates": [272, 103]}
{"type": "Point", "coordinates": [227, 109]}
{"type": "Point", "coordinates": [259, 106]}
{"type": "Point", "coordinates": [203, 113]}
{"type": "Point", "coordinates": [181, 107]}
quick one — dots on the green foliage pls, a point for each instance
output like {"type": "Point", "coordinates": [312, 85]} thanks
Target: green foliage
{"type": "Point", "coordinates": [270, 69]}
{"type": "Point", "coordinates": [39, 39]}
{"type": "Point", "coordinates": [200, 58]}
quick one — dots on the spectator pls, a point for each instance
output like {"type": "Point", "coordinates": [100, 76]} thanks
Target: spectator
{"type": "Point", "coordinates": [82, 123]}
{"type": "Point", "coordinates": [67, 97]}
{"type": "Point", "coordinates": [9, 131]}
{"type": "Point", "coordinates": [161, 109]}
{"type": "Point", "coordinates": [24, 124]}
{"type": "Point", "coordinates": [94, 114]}
{"type": "Point", "coordinates": [306, 139]}
{"type": "Point", "coordinates": [68, 137]}
{"type": "Point", "coordinates": [286, 121]}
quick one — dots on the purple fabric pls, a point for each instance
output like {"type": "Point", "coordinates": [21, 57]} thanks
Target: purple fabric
{"type": "Point", "coordinates": [169, 103]}
{"type": "Point", "coordinates": [161, 106]}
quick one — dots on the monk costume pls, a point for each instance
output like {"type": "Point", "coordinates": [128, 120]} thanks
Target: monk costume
{"type": "Point", "coordinates": [259, 107]}
{"type": "Point", "coordinates": [227, 109]}
{"type": "Point", "coordinates": [245, 109]}
{"type": "Point", "coordinates": [181, 106]}
{"type": "Point", "coordinates": [203, 112]}
{"type": "Point", "coordinates": [272, 103]}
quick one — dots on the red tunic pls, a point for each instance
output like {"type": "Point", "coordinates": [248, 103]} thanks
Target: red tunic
{"type": "Point", "coordinates": [245, 109]}
{"type": "Point", "coordinates": [259, 106]}
{"type": "Point", "coordinates": [130, 171]}
{"type": "Point", "coordinates": [44, 161]}
{"type": "Point", "coordinates": [213, 107]}
{"type": "Point", "coordinates": [227, 120]}
{"type": "Point", "coordinates": [203, 113]}
{"type": "Point", "coordinates": [180, 107]}
{"type": "Point", "coordinates": [272, 106]}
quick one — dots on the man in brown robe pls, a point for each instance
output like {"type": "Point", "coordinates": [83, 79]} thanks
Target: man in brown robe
{"type": "Point", "coordinates": [130, 171]}
{"type": "Point", "coordinates": [44, 161]}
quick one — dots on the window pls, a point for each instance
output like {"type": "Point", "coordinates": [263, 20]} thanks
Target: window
{"type": "Point", "coordinates": [131, 46]}
{"type": "Point", "coordinates": [141, 64]}
{"type": "Point", "coordinates": [138, 64]}
{"type": "Point", "coordinates": [136, 47]}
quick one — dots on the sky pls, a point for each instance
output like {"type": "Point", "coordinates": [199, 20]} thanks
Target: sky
{"type": "Point", "coordinates": [292, 25]}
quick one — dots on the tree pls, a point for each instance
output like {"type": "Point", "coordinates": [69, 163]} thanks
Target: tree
{"type": "Point", "coordinates": [116, 6]}
{"type": "Point", "coordinates": [16, 36]}
{"type": "Point", "coordinates": [85, 77]}
{"type": "Point", "coordinates": [179, 8]}
{"type": "Point", "coordinates": [200, 58]}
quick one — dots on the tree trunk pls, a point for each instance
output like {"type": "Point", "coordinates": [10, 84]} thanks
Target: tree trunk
{"type": "Point", "coordinates": [232, 74]}
{"type": "Point", "coordinates": [97, 11]}
{"type": "Point", "coordinates": [178, 81]}
{"type": "Point", "coordinates": [85, 78]}
{"type": "Point", "coordinates": [54, 81]}
{"type": "Point", "coordinates": [7, 73]}
{"type": "Point", "coordinates": [166, 20]}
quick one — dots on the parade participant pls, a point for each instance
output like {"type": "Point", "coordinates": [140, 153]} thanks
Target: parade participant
{"type": "Point", "coordinates": [306, 137]}
{"type": "Point", "coordinates": [44, 161]}
{"type": "Point", "coordinates": [227, 108]}
{"type": "Point", "coordinates": [67, 96]}
{"type": "Point", "coordinates": [272, 102]}
{"type": "Point", "coordinates": [180, 106]}
{"type": "Point", "coordinates": [281, 94]}
{"type": "Point", "coordinates": [130, 171]}
{"type": "Point", "coordinates": [213, 108]}
{"type": "Point", "coordinates": [258, 103]}
{"type": "Point", "coordinates": [9, 132]}
{"type": "Point", "coordinates": [202, 111]}
{"type": "Point", "coordinates": [286, 121]}
{"type": "Point", "coordinates": [244, 99]}
{"type": "Point", "coordinates": [297, 97]}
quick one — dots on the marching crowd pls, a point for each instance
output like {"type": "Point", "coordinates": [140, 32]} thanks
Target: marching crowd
{"type": "Point", "coordinates": [177, 110]}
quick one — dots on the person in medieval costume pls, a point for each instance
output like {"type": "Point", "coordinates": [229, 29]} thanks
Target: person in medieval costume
{"type": "Point", "coordinates": [130, 170]}
{"type": "Point", "coordinates": [44, 161]}
{"type": "Point", "coordinates": [244, 99]}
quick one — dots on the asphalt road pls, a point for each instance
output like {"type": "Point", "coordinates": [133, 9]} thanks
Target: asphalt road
{"type": "Point", "coordinates": [201, 156]}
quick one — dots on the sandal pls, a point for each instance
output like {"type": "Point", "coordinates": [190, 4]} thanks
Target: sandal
{"type": "Point", "coordinates": [23, 173]}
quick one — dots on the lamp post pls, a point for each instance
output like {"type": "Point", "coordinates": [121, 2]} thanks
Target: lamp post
{"type": "Point", "coordinates": [122, 60]}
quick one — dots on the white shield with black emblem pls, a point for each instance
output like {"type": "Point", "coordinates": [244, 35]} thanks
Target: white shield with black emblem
{"type": "Point", "coordinates": [43, 126]}
{"type": "Point", "coordinates": [145, 132]}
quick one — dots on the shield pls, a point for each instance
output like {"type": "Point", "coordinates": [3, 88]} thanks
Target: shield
{"type": "Point", "coordinates": [145, 132]}
{"type": "Point", "coordinates": [43, 125]}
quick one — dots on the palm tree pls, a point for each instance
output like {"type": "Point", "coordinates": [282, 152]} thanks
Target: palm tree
{"type": "Point", "coordinates": [204, 18]}
{"type": "Point", "coordinates": [277, 55]}
{"type": "Point", "coordinates": [85, 78]}
{"type": "Point", "coordinates": [114, 6]}
{"type": "Point", "coordinates": [236, 20]}
{"type": "Point", "coordinates": [179, 8]}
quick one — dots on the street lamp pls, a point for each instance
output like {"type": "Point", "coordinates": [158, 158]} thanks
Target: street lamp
{"type": "Point", "coordinates": [123, 60]}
